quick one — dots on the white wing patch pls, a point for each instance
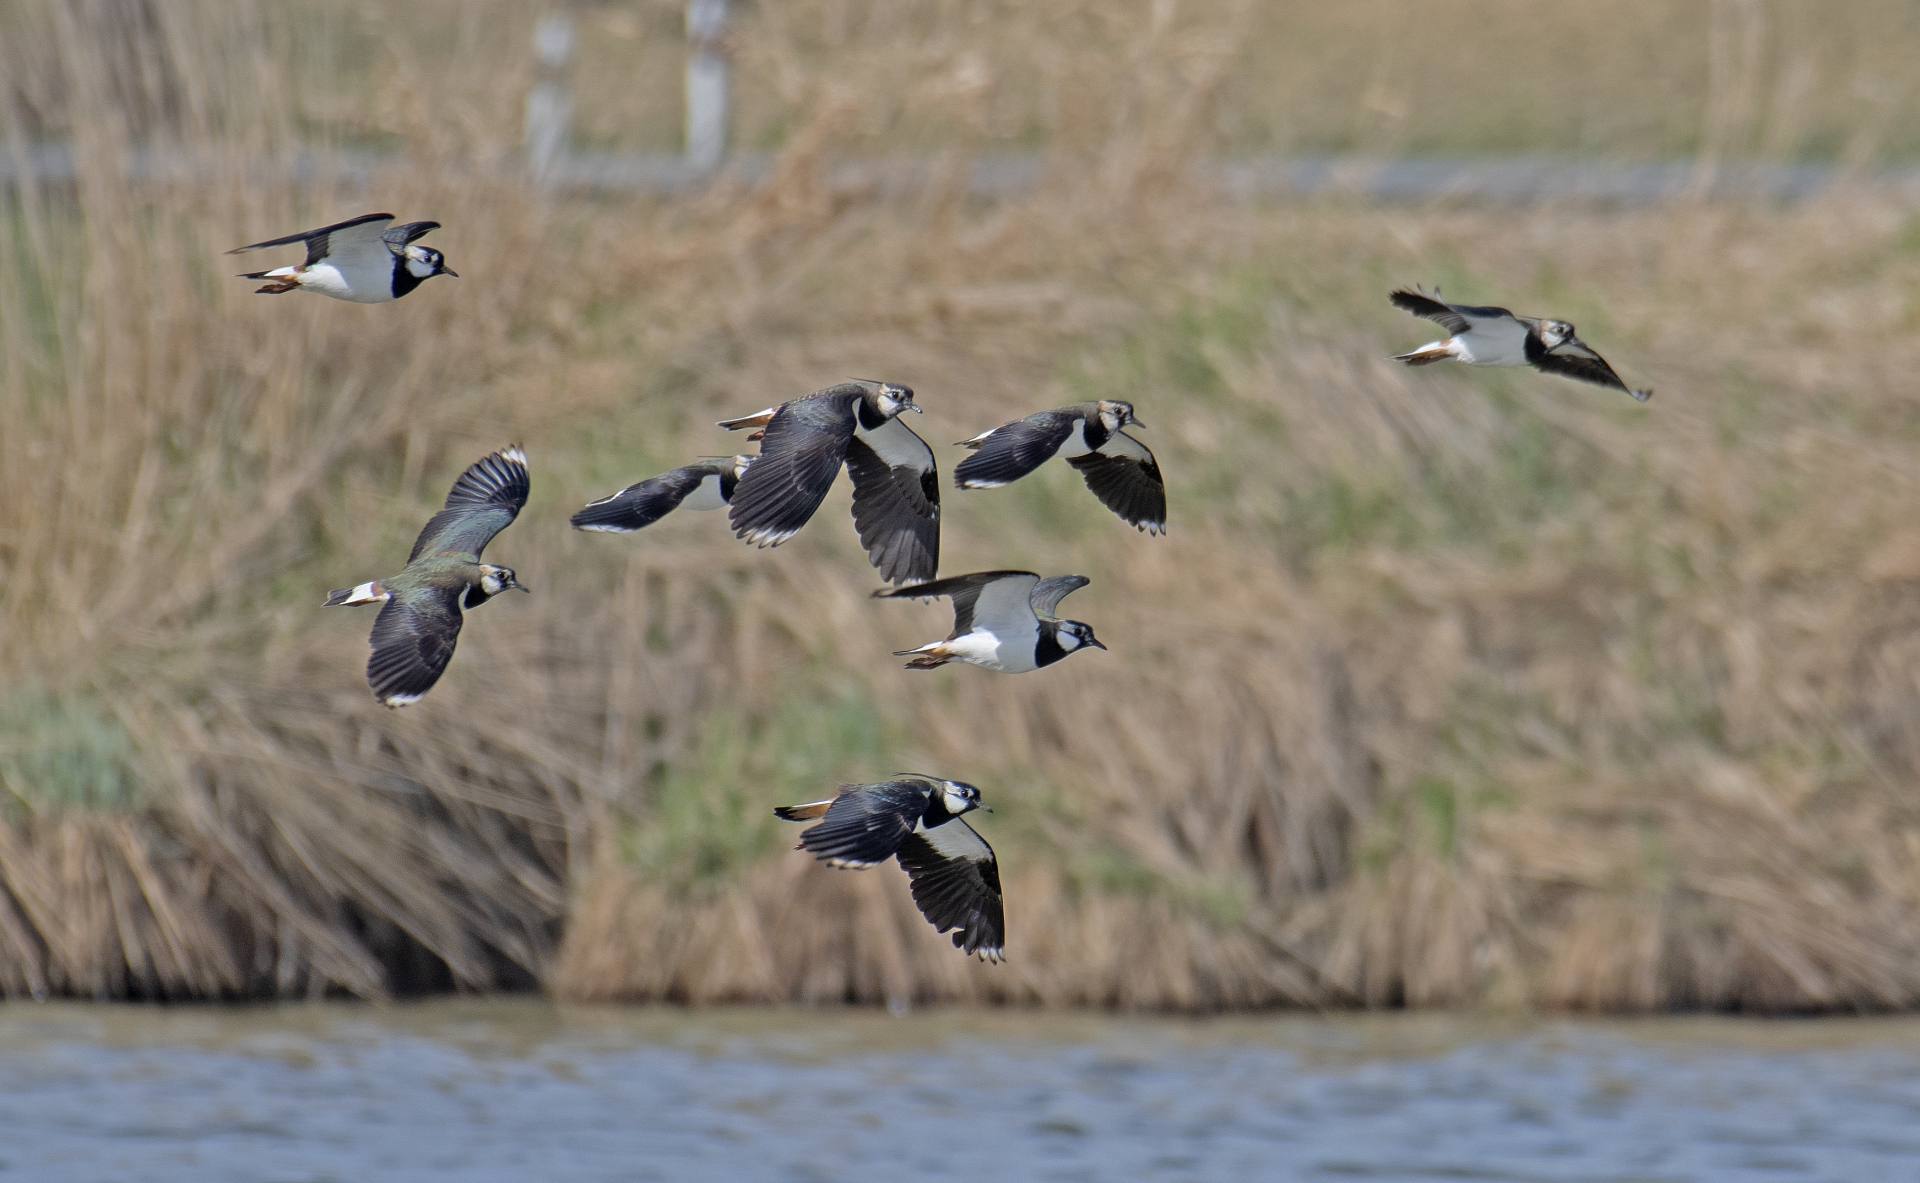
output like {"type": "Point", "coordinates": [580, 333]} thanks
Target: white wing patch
{"type": "Point", "coordinates": [768, 537]}
{"type": "Point", "coordinates": [1122, 444]}
{"type": "Point", "coordinates": [707, 496]}
{"type": "Point", "coordinates": [895, 443]}
{"type": "Point", "coordinates": [955, 839]}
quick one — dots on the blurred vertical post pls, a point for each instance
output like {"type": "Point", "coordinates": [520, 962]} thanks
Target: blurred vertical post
{"type": "Point", "coordinates": [550, 105]}
{"type": "Point", "coordinates": [706, 83]}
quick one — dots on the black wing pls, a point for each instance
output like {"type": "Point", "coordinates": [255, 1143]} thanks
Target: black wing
{"type": "Point", "coordinates": [896, 502]}
{"type": "Point", "coordinates": [483, 502]}
{"type": "Point", "coordinates": [866, 824]}
{"type": "Point", "coordinates": [645, 503]}
{"type": "Point", "coordinates": [1013, 450]}
{"type": "Point", "coordinates": [413, 639]}
{"type": "Point", "coordinates": [397, 237]}
{"type": "Point", "coordinates": [1126, 478]}
{"type": "Point", "coordinates": [1046, 595]}
{"type": "Point", "coordinates": [1574, 360]}
{"type": "Point", "coordinates": [956, 884]}
{"type": "Point", "coordinates": [316, 240]}
{"type": "Point", "coordinates": [1452, 317]}
{"type": "Point", "coordinates": [1006, 606]}
{"type": "Point", "coordinates": [800, 454]}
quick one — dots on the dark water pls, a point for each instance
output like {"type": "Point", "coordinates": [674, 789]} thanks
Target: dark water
{"type": "Point", "coordinates": [520, 1091]}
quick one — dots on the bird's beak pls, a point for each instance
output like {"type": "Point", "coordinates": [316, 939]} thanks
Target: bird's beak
{"type": "Point", "coordinates": [987, 808]}
{"type": "Point", "coordinates": [1095, 642]}
{"type": "Point", "coordinates": [523, 587]}
{"type": "Point", "coordinates": [446, 270]}
{"type": "Point", "coordinates": [1134, 421]}
{"type": "Point", "coordinates": [916, 408]}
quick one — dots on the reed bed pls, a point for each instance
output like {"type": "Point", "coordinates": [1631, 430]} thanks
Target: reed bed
{"type": "Point", "coordinates": [1446, 689]}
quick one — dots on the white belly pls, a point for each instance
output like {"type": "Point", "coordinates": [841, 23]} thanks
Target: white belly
{"type": "Point", "coordinates": [1076, 444]}
{"type": "Point", "coordinates": [1009, 655]}
{"type": "Point", "coordinates": [1492, 343]}
{"type": "Point", "coordinates": [707, 496]}
{"type": "Point", "coordinates": [361, 287]}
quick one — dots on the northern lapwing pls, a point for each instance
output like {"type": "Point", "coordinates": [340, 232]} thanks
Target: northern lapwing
{"type": "Point", "coordinates": [367, 260]}
{"type": "Point", "coordinates": [896, 493]}
{"type": "Point", "coordinates": [414, 635]}
{"type": "Point", "coordinates": [1119, 469]}
{"type": "Point", "coordinates": [708, 484]}
{"type": "Point", "coordinates": [1002, 620]}
{"type": "Point", "coordinates": [916, 819]}
{"type": "Point", "coordinates": [1496, 337]}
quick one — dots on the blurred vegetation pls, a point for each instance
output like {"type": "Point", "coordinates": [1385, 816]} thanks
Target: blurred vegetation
{"type": "Point", "coordinates": [1448, 687]}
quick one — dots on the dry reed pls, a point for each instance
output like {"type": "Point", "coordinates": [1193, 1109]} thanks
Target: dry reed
{"type": "Point", "coordinates": [1446, 688]}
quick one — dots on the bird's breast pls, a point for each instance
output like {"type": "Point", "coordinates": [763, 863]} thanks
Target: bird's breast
{"type": "Point", "coordinates": [1493, 343]}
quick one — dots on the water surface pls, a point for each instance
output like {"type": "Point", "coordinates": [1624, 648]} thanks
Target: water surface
{"type": "Point", "coordinates": [521, 1091]}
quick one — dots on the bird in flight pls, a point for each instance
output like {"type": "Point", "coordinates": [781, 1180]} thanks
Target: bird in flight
{"type": "Point", "coordinates": [1119, 469]}
{"type": "Point", "coordinates": [1496, 337]}
{"type": "Point", "coordinates": [414, 635]}
{"type": "Point", "coordinates": [917, 820]}
{"type": "Point", "coordinates": [367, 260]}
{"type": "Point", "coordinates": [896, 493]}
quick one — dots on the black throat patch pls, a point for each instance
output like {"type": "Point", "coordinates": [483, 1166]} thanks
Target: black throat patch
{"type": "Point", "coordinates": [404, 280]}
{"type": "Point", "coordinates": [1048, 649]}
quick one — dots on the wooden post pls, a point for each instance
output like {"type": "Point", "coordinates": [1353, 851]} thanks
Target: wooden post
{"type": "Point", "coordinates": [550, 105]}
{"type": "Point", "coordinates": [706, 83]}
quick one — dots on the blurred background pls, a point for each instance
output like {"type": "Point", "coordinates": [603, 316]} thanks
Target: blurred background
{"type": "Point", "coordinates": [1446, 688]}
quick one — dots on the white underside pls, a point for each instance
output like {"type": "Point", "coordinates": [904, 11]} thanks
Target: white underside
{"type": "Point", "coordinates": [1076, 444]}
{"type": "Point", "coordinates": [707, 496]}
{"type": "Point", "coordinates": [1008, 654]}
{"type": "Point", "coordinates": [1489, 343]}
{"type": "Point", "coordinates": [361, 285]}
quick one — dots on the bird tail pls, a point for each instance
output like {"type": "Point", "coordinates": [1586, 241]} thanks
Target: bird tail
{"type": "Point", "coordinates": [757, 419]}
{"type": "Point", "coordinates": [369, 592]}
{"type": "Point", "coordinates": [285, 279]}
{"type": "Point", "coordinates": [1426, 355]}
{"type": "Point", "coordinates": [802, 813]}
{"type": "Point", "coordinates": [927, 657]}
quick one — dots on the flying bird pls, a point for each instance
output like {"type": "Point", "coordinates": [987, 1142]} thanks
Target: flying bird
{"type": "Point", "coordinates": [708, 484]}
{"type": "Point", "coordinates": [367, 260]}
{"type": "Point", "coordinates": [1002, 620]}
{"type": "Point", "coordinates": [896, 493]}
{"type": "Point", "coordinates": [1496, 337]}
{"type": "Point", "coordinates": [414, 635]}
{"type": "Point", "coordinates": [916, 819]}
{"type": "Point", "coordinates": [1119, 469]}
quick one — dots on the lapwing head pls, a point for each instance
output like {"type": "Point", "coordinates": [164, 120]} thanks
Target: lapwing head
{"type": "Point", "coordinates": [1555, 333]}
{"type": "Point", "coordinates": [1115, 414]}
{"type": "Point", "coordinates": [889, 399]}
{"type": "Point", "coordinates": [1073, 635]}
{"type": "Point", "coordinates": [494, 580]}
{"type": "Point", "coordinates": [960, 797]}
{"type": "Point", "coordinates": [423, 262]}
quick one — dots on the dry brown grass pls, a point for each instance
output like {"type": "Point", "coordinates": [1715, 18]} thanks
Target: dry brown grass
{"type": "Point", "coordinates": [1446, 688]}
